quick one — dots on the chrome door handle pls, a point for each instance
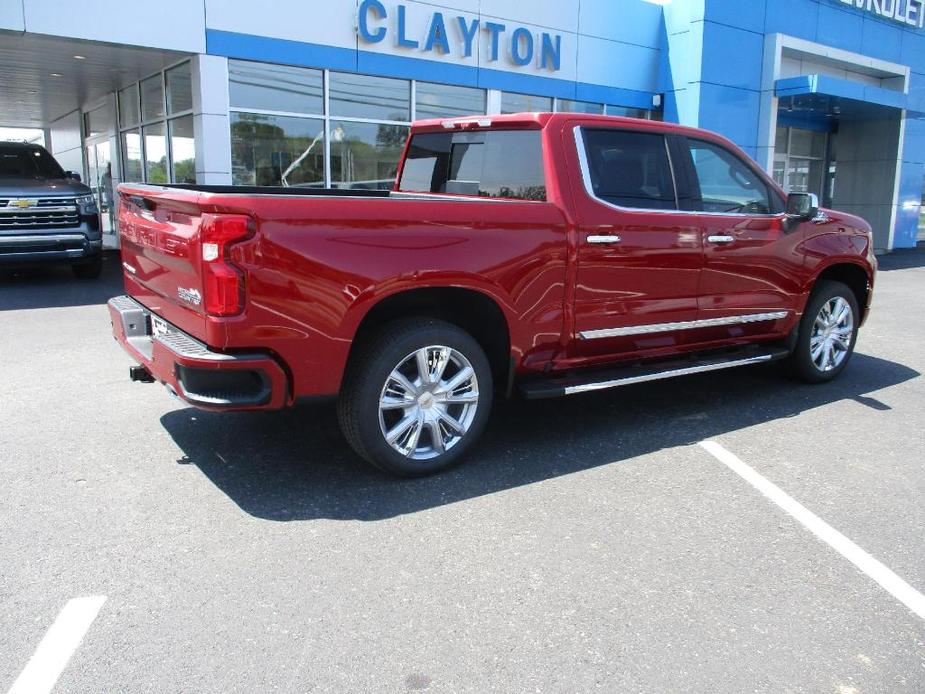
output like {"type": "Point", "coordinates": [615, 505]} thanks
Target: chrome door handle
{"type": "Point", "coordinates": [720, 238]}
{"type": "Point", "coordinates": [603, 238]}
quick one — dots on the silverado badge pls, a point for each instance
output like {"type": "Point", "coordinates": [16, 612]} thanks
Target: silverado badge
{"type": "Point", "coordinates": [191, 295]}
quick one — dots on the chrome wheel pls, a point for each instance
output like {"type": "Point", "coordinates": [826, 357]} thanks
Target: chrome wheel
{"type": "Point", "coordinates": [833, 331]}
{"type": "Point", "coordinates": [428, 402]}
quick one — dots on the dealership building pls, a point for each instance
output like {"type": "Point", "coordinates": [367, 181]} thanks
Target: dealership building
{"type": "Point", "coordinates": [827, 95]}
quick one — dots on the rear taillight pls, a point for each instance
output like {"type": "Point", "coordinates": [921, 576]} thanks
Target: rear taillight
{"type": "Point", "coordinates": [222, 282]}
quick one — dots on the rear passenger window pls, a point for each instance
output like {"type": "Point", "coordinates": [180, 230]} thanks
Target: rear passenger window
{"type": "Point", "coordinates": [630, 169]}
{"type": "Point", "coordinates": [727, 184]}
{"type": "Point", "coordinates": [492, 163]}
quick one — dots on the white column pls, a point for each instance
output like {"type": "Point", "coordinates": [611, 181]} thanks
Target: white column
{"type": "Point", "coordinates": [211, 124]}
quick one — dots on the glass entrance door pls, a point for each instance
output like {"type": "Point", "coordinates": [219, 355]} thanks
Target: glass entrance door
{"type": "Point", "coordinates": [799, 160]}
{"type": "Point", "coordinates": [99, 178]}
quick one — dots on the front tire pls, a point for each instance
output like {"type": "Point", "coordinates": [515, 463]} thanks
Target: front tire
{"type": "Point", "coordinates": [827, 334]}
{"type": "Point", "coordinates": [416, 397]}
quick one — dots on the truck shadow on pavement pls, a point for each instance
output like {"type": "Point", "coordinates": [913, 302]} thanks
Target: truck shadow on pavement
{"type": "Point", "coordinates": [55, 286]}
{"type": "Point", "coordinates": [294, 465]}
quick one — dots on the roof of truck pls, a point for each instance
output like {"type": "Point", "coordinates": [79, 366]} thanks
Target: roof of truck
{"type": "Point", "coordinates": [542, 119]}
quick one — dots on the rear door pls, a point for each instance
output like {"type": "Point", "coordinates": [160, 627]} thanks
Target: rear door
{"type": "Point", "coordinates": [161, 254]}
{"type": "Point", "coordinates": [752, 261]}
{"type": "Point", "coordinates": [639, 256]}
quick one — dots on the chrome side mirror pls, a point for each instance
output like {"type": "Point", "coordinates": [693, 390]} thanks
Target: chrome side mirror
{"type": "Point", "coordinates": [72, 175]}
{"type": "Point", "coordinates": [802, 206]}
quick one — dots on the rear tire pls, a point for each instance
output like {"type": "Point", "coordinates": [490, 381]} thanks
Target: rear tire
{"type": "Point", "coordinates": [89, 270]}
{"type": "Point", "coordinates": [827, 334]}
{"type": "Point", "coordinates": [416, 397]}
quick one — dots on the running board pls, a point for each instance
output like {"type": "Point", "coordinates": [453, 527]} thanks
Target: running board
{"type": "Point", "coordinates": [627, 375]}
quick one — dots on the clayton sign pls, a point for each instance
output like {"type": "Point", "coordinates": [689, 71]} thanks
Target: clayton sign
{"type": "Point", "coordinates": [459, 35]}
{"type": "Point", "coordinates": [908, 12]}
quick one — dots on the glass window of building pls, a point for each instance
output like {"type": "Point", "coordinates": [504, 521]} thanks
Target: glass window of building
{"type": "Point", "coordinates": [447, 101]}
{"type": "Point", "coordinates": [179, 89]}
{"type": "Point", "coordinates": [524, 103]}
{"type": "Point", "coordinates": [128, 106]}
{"type": "Point", "coordinates": [98, 121]}
{"type": "Point", "coordinates": [163, 150]}
{"type": "Point", "coordinates": [572, 106]}
{"type": "Point", "coordinates": [155, 144]}
{"type": "Point", "coordinates": [799, 162]}
{"type": "Point", "coordinates": [365, 96]}
{"type": "Point", "coordinates": [268, 150]}
{"type": "Point", "coordinates": [152, 98]}
{"type": "Point", "coordinates": [628, 112]}
{"type": "Point", "coordinates": [365, 155]}
{"type": "Point", "coordinates": [275, 87]}
{"type": "Point", "coordinates": [131, 156]}
{"type": "Point", "coordinates": [182, 150]}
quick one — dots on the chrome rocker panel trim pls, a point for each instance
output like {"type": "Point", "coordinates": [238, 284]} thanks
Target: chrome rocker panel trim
{"type": "Point", "coordinates": [680, 325]}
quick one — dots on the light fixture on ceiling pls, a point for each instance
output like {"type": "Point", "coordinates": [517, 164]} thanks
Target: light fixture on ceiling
{"type": "Point", "coordinates": [80, 57]}
{"type": "Point", "coordinates": [56, 74]}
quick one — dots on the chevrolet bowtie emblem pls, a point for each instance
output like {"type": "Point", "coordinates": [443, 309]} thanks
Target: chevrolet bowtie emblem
{"type": "Point", "coordinates": [24, 202]}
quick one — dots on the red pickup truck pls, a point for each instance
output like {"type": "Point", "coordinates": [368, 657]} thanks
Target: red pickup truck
{"type": "Point", "coordinates": [530, 255]}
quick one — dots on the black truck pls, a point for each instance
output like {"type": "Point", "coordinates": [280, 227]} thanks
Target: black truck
{"type": "Point", "coordinates": [46, 214]}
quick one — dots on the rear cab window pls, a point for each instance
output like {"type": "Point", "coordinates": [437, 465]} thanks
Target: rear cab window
{"type": "Point", "coordinates": [490, 163]}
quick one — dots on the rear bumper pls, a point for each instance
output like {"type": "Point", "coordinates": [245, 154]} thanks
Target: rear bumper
{"type": "Point", "coordinates": [50, 245]}
{"type": "Point", "coordinates": [190, 370]}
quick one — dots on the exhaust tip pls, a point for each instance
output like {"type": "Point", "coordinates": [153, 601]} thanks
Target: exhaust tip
{"type": "Point", "coordinates": [140, 374]}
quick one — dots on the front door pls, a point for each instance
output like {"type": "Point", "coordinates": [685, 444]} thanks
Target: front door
{"type": "Point", "coordinates": [752, 260]}
{"type": "Point", "coordinates": [639, 257]}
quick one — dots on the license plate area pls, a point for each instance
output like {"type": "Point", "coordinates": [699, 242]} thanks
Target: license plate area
{"type": "Point", "coordinates": [159, 326]}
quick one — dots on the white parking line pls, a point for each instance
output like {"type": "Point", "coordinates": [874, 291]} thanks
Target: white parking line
{"type": "Point", "coordinates": [890, 582]}
{"type": "Point", "coordinates": [56, 648]}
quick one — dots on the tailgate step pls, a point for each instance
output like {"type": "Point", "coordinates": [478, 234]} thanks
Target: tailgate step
{"type": "Point", "coordinates": [599, 379]}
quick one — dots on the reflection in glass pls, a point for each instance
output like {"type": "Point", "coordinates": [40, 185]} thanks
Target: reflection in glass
{"type": "Point", "coordinates": [155, 153]}
{"type": "Point", "coordinates": [524, 103]}
{"type": "Point", "coordinates": [275, 87]}
{"type": "Point", "coordinates": [365, 155]}
{"type": "Point", "coordinates": [571, 106]}
{"type": "Point", "coordinates": [627, 112]}
{"type": "Point", "coordinates": [364, 96]}
{"type": "Point", "coordinates": [152, 98]}
{"type": "Point", "coordinates": [131, 156]}
{"type": "Point", "coordinates": [446, 101]}
{"type": "Point", "coordinates": [276, 150]}
{"type": "Point", "coordinates": [179, 89]}
{"type": "Point", "coordinates": [182, 150]}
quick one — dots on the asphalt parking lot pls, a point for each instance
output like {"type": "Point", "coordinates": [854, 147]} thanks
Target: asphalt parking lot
{"type": "Point", "coordinates": [590, 544]}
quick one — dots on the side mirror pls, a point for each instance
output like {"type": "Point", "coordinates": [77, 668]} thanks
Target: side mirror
{"type": "Point", "coordinates": [802, 205]}
{"type": "Point", "coordinates": [72, 175]}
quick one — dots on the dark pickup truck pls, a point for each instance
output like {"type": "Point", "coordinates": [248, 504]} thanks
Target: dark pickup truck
{"type": "Point", "coordinates": [46, 214]}
{"type": "Point", "coordinates": [530, 255]}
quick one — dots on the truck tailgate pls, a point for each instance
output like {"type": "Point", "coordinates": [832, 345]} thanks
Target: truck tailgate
{"type": "Point", "coordinates": [162, 255]}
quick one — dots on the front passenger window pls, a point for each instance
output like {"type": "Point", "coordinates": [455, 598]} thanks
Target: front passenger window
{"type": "Point", "coordinates": [727, 184]}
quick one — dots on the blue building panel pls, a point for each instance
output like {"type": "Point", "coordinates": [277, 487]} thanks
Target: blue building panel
{"type": "Point", "coordinates": [730, 111]}
{"type": "Point", "coordinates": [731, 57]}
{"type": "Point", "coordinates": [839, 28]}
{"type": "Point", "coordinates": [798, 18]}
{"type": "Point", "coordinates": [734, 13]}
{"type": "Point", "coordinates": [879, 40]}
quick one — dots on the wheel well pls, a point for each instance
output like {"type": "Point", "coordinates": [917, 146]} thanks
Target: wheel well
{"type": "Point", "coordinates": [852, 275]}
{"type": "Point", "coordinates": [474, 312]}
